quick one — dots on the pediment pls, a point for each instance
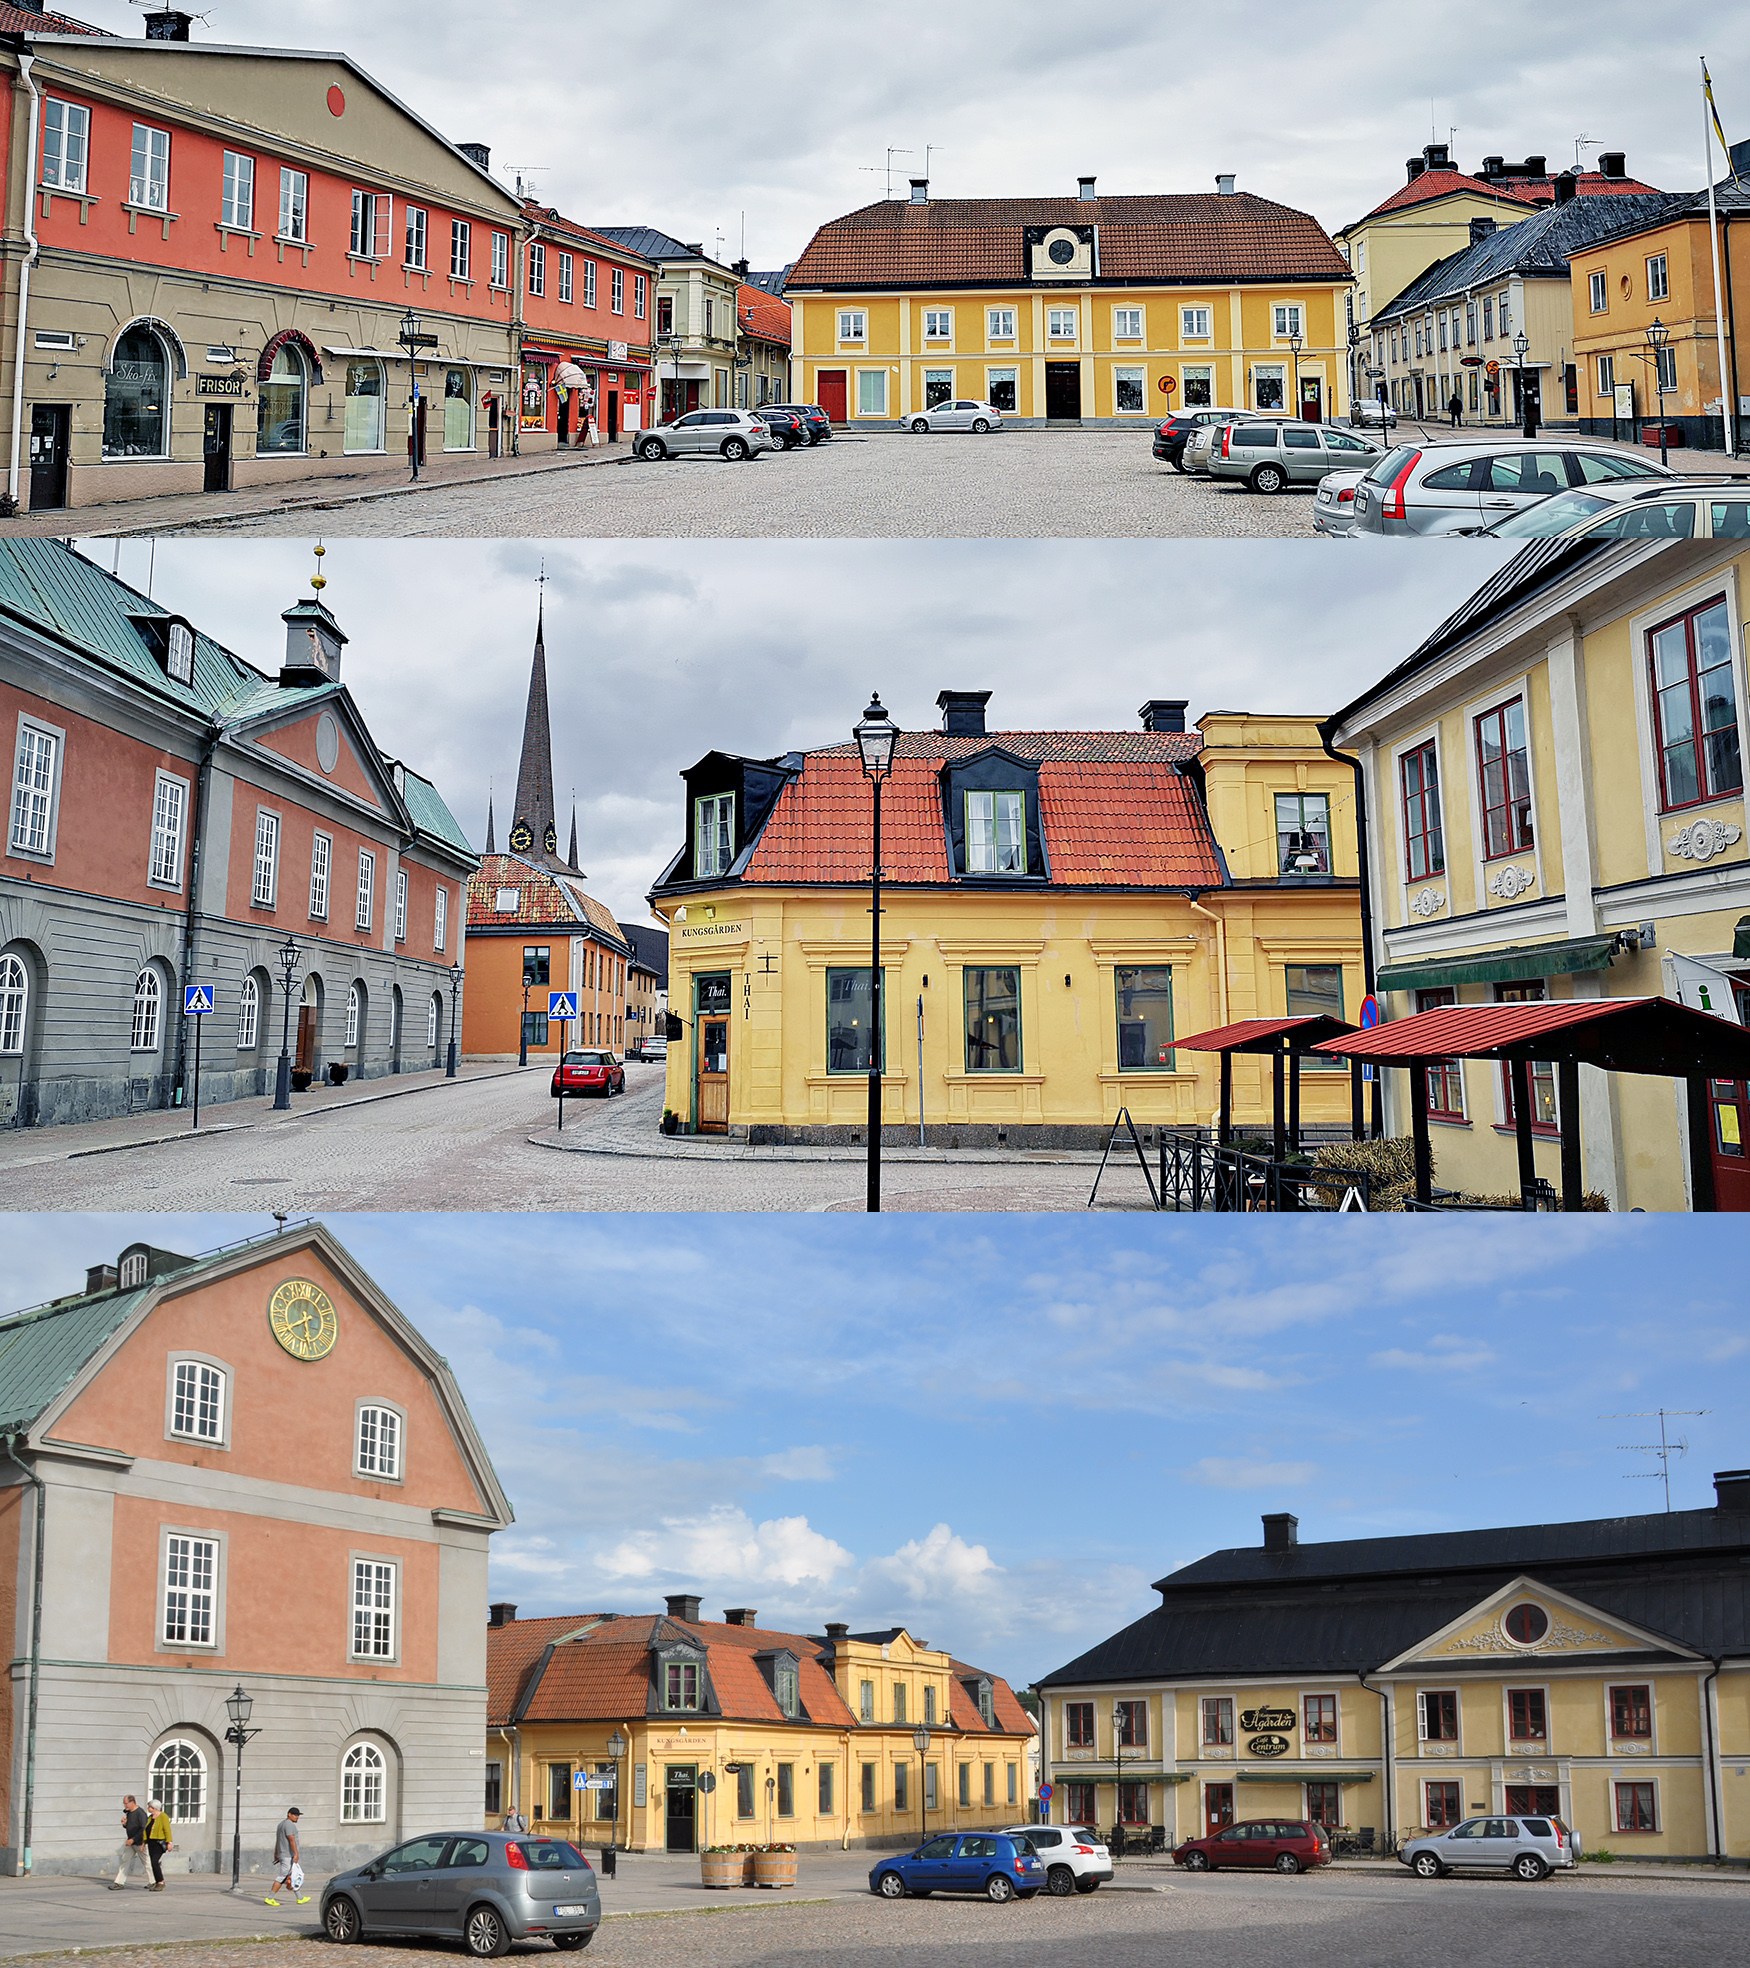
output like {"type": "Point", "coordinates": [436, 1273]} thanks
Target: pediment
{"type": "Point", "coordinates": [1528, 1620]}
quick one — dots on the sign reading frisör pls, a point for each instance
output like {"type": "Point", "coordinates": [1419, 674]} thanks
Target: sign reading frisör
{"type": "Point", "coordinates": [205, 385]}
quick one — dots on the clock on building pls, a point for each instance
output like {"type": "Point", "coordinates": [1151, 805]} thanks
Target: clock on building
{"type": "Point", "coordinates": [550, 839]}
{"type": "Point", "coordinates": [522, 837]}
{"type": "Point", "coordinates": [303, 1319]}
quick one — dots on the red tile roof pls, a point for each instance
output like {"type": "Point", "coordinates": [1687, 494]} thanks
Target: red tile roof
{"type": "Point", "coordinates": [1530, 192]}
{"type": "Point", "coordinates": [1008, 1717]}
{"type": "Point", "coordinates": [21, 20]}
{"type": "Point", "coordinates": [511, 1650]}
{"type": "Point", "coordinates": [544, 897]}
{"type": "Point", "coordinates": [550, 219]}
{"type": "Point", "coordinates": [763, 316]}
{"type": "Point", "coordinates": [1177, 238]}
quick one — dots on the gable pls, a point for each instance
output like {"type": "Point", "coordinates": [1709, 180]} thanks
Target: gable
{"type": "Point", "coordinates": [1526, 1620]}
{"type": "Point", "coordinates": [327, 748]}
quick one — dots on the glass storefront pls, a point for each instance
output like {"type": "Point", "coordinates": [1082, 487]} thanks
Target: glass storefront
{"type": "Point", "coordinates": [136, 398]}
{"type": "Point", "coordinates": [458, 410]}
{"type": "Point", "coordinates": [364, 404]}
{"type": "Point", "coordinates": [282, 407]}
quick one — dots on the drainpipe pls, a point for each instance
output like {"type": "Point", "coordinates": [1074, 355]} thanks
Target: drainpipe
{"type": "Point", "coordinates": [1711, 1713]}
{"type": "Point", "coordinates": [845, 1842]}
{"type": "Point", "coordinates": [36, 1645]}
{"type": "Point", "coordinates": [1385, 1744]}
{"type": "Point", "coordinates": [1220, 923]}
{"type": "Point", "coordinates": [191, 914]}
{"type": "Point", "coordinates": [1376, 1126]}
{"type": "Point", "coordinates": [9, 505]}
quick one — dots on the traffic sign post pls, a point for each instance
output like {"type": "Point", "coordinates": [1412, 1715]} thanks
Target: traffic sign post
{"type": "Point", "coordinates": [563, 1006]}
{"type": "Point", "coordinates": [197, 1002]}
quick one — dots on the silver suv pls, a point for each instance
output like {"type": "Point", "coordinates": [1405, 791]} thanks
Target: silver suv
{"type": "Point", "coordinates": [1075, 1859]}
{"type": "Point", "coordinates": [1463, 485]}
{"type": "Point", "coordinates": [483, 1888]}
{"type": "Point", "coordinates": [733, 434]}
{"type": "Point", "coordinates": [1268, 456]}
{"type": "Point", "coordinates": [1529, 1848]}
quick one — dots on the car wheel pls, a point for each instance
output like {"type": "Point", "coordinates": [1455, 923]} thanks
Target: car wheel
{"type": "Point", "coordinates": [1198, 1862]}
{"type": "Point", "coordinates": [1269, 478]}
{"type": "Point", "coordinates": [653, 449]}
{"type": "Point", "coordinates": [919, 425]}
{"type": "Point", "coordinates": [340, 1921]}
{"type": "Point", "coordinates": [1178, 464]}
{"type": "Point", "coordinates": [1287, 1862]}
{"type": "Point", "coordinates": [485, 1933]}
{"type": "Point", "coordinates": [890, 1886]}
{"type": "Point", "coordinates": [734, 449]}
{"type": "Point", "coordinates": [565, 1943]}
{"type": "Point", "coordinates": [1087, 1885]}
{"type": "Point", "coordinates": [998, 1888]}
{"type": "Point", "coordinates": [1061, 1881]}
{"type": "Point", "coordinates": [980, 425]}
{"type": "Point", "coordinates": [1426, 1866]}
{"type": "Point", "coordinates": [1529, 1867]}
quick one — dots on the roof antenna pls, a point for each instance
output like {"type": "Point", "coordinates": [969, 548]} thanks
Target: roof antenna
{"type": "Point", "coordinates": [1664, 1448]}
{"type": "Point", "coordinates": [1583, 142]}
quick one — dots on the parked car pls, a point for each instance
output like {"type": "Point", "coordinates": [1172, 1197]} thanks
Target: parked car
{"type": "Point", "coordinates": [786, 423]}
{"type": "Point", "coordinates": [1530, 1848]}
{"type": "Point", "coordinates": [962, 413]}
{"type": "Point", "coordinates": [1000, 1865]}
{"type": "Point", "coordinates": [818, 422]}
{"type": "Point", "coordinates": [654, 1048]}
{"type": "Point", "coordinates": [1461, 485]}
{"type": "Point", "coordinates": [1270, 456]}
{"type": "Point", "coordinates": [733, 434]}
{"type": "Point", "coordinates": [1284, 1845]}
{"type": "Point", "coordinates": [1368, 413]}
{"type": "Point", "coordinates": [1334, 508]}
{"type": "Point", "coordinates": [1172, 436]}
{"type": "Point", "coordinates": [482, 1888]}
{"type": "Point", "coordinates": [1636, 509]}
{"type": "Point", "coordinates": [1075, 1858]}
{"type": "Point", "coordinates": [589, 1072]}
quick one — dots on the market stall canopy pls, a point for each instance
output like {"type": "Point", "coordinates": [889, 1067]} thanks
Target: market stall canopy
{"type": "Point", "coordinates": [569, 376]}
{"type": "Point", "coordinates": [1268, 1034]}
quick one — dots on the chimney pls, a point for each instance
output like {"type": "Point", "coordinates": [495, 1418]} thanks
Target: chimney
{"type": "Point", "coordinates": [1480, 229]}
{"type": "Point", "coordinates": [313, 644]}
{"type": "Point", "coordinates": [1613, 163]}
{"type": "Point", "coordinates": [837, 1630]}
{"type": "Point", "coordinates": [99, 1278]}
{"type": "Point", "coordinates": [1281, 1531]}
{"type": "Point", "coordinates": [480, 153]}
{"type": "Point", "coordinates": [1163, 713]}
{"type": "Point", "coordinates": [1413, 168]}
{"type": "Point", "coordinates": [1494, 167]}
{"type": "Point", "coordinates": [683, 1606]}
{"type": "Point", "coordinates": [1224, 183]}
{"type": "Point", "coordinates": [739, 1616]}
{"type": "Point", "coordinates": [1731, 1490]}
{"type": "Point", "coordinates": [1565, 187]}
{"type": "Point", "coordinates": [739, 269]}
{"type": "Point", "coordinates": [1536, 167]}
{"type": "Point", "coordinates": [920, 191]}
{"type": "Point", "coordinates": [963, 712]}
{"type": "Point", "coordinates": [1437, 157]}
{"type": "Point", "coordinates": [1084, 191]}
{"type": "Point", "coordinates": [696, 248]}
{"type": "Point", "coordinates": [501, 1613]}
{"type": "Point", "coordinates": [165, 24]}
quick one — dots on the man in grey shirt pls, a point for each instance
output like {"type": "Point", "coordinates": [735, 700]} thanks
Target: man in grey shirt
{"type": "Point", "coordinates": [288, 1869]}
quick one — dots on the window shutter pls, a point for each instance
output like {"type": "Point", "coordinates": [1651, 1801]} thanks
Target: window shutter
{"type": "Point", "coordinates": [380, 212]}
{"type": "Point", "coordinates": [1421, 1716]}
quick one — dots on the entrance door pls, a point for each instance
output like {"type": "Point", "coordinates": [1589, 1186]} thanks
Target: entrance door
{"type": "Point", "coordinates": [1312, 400]}
{"type": "Point", "coordinates": [305, 1059]}
{"type": "Point", "coordinates": [681, 1806]}
{"type": "Point", "coordinates": [565, 418]}
{"type": "Point", "coordinates": [713, 1073]}
{"type": "Point", "coordinates": [1218, 1807]}
{"type": "Point", "coordinates": [1063, 392]}
{"type": "Point", "coordinates": [216, 444]}
{"type": "Point", "coordinates": [1534, 1800]}
{"type": "Point", "coordinates": [49, 426]}
{"type": "Point", "coordinates": [613, 415]}
{"type": "Point", "coordinates": [829, 386]}
{"type": "Point", "coordinates": [1729, 1101]}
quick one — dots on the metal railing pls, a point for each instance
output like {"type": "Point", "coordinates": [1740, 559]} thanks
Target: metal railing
{"type": "Point", "coordinates": [1198, 1174]}
{"type": "Point", "coordinates": [1541, 1195]}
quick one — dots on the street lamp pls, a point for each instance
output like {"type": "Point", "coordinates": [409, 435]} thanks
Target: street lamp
{"type": "Point", "coordinates": [528, 985]}
{"type": "Point", "coordinates": [1297, 342]}
{"type": "Point", "coordinates": [455, 986]}
{"type": "Point", "coordinates": [413, 338]}
{"type": "Point", "coordinates": [1658, 337]}
{"type": "Point", "coordinates": [237, 1706]}
{"type": "Point", "coordinates": [920, 1737]}
{"type": "Point", "coordinates": [616, 1749]}
{"type": "Point", "coordinates": [1527, 418]}
{"type": "Point", "coordinates": [876, 736]}
{"type": "Point", "coordinates": [288, 960]}
{"type": "Point", "coordinates": [671, 341]}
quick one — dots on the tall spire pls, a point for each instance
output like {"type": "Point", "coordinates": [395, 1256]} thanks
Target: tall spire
{"type": "Point", "coordinates": [491, 845]}
{"type": "Point", "coordinates": [534, 830]}
{"type": "Point", "coordinates": [571, 858]}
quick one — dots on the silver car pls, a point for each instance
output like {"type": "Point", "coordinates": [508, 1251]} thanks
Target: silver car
{"type": "Point", "coordinates": [1530, 1848]}
{"type": "Point", "coordinates": [959, 414]}
{"type": "Point", "coordinates": [1270, 455]}
{"type": "Point", "coordinates": [1462, 485]}
{"type": "Point", "coordinates": [733, 434]}
{"type": "Point", "coordinates": [1715, 508]}
{"type": "Point", "coordinates": [482, 1888]}
{"type": "Point", "coordinates": [1334, 508]}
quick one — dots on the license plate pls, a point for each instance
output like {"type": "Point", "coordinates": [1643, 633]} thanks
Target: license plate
{"type": "Point", "coordinates": [563, 1910]}
{"type": "Point", "coordinates": [1361, 502]}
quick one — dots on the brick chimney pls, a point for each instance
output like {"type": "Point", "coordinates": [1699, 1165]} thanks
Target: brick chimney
{"type": "Point", "coordinates": [501, 1613]}
{"type": "Point", "coordinates": [739, 1616]}
{"type": "Point", "coordinates": [1566, 186]}
{"type": "Point", "coordinates": [963, 712]}
{"type": "Point", "coordinates": [683, 1606]}
{"type": "Point", "coordinates": [1613, 163]}
{"type": "Point", "coordinates": [1281, 1531]}
{"type": "Point", "coordinates": [1413, 168]}
{"type": "Point", "coordinates": [166, 24]}
{"type": "Point", "coordinates": [1164, 713]}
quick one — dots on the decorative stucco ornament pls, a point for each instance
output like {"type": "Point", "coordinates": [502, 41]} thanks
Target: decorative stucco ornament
{"type": "Point", "coordinates": [1701, 840]}
{"type": "Point", "coordinates": [1510, 882]}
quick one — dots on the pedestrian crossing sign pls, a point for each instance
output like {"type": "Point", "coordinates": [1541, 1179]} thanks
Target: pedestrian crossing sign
{"type": "Point", "coordinates": [196, 1000]}
{"type": "Point", "coordinates": [562, 1004]}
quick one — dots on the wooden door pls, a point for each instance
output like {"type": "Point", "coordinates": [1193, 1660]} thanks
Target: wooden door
{"type": "Point", "coordinates": [216, 448]}
{"type": "Point", "coordinates": [1063, 392]}
{"type": "Point", "coordinates": [1312, 400]}
{"type": "Point", "coordinates": [1218, 1806]}
{"type": "Point", "coordinates": [305, 1061]}
{"type": "Point", "coordinates": [713, 1042]}
{"type": "Point", "coordinates": [829, 386]}
{"type": "Point", "coordinates": [49, 427]}
{"type": "Point", "coordinates": [613, 415]}
{"type": "Point", "coordinates": [1729, 1104]}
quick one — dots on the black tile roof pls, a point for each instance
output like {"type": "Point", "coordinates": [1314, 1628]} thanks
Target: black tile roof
{"type": "Point", "coordinates": [649, 948]}
{"type": "Point", "coordinates": [652, 243]}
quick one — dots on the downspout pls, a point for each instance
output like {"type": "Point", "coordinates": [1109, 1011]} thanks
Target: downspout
{"type": "Point", "coordinates": [1731, 323]}
{"type": "Point", "coordinates": [1385, 1744]}
{"type": "Point", "coordinates": [845, 1842]}
{"type": "Point", "coordinates": [190, 915]}
{"type": "Point", "coordinates": [36, 1647]}
{"type": "Point", "coordinates": [1368, 972]}
{"type": "Point", "coordinates": [1220, 923]}
{"type": "Point", "coordinates": [9, 506]}
{"type": "Point", "coordinates": [1711, 1713]}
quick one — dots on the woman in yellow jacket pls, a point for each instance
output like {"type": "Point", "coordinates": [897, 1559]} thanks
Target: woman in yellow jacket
{"type": "Point", "coordinates": [159, 1840]}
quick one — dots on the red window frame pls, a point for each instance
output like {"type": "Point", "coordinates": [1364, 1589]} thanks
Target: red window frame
{"type": "Point", "coordinates": [1221, 1708]}
{"type": "Point", "coordinates": [1218, 1807]}
{"type": "Point", "coordinates": [1507, 816]}
{"type": "Point", "coordinates": [1324, 1804]}
{"type": "Point", "coordinates": [1079, 1803]}
{"type": "Point", "coordinates": [1441, 1720]}
{"type": "Point", "coordinates": [1443, 1803]}
{"type": "Point", "coordinates": [1631, 1710]}
{"type": "Point", "coordinates": [1543, 1074]}
{"type": "Point", "coordinates": [1689, 691]}
{"type": "Point", "coordinates": [1132, 1803]}
{"type": "Point", "coordinates": [1642, 1800]}
{"type": "Point", "coordinates": [1078, 1725]}
{"type": "Point", "coordinates": [1528, 1715]}
{"type": "Point", "coordinates": [1445, 1076]}
{"type": "Point", "coordinates": [1132, 1726]}
{"type": "Point", "coordinates": [1320, 1718]}
{"type": "Point", "coordinates": [1424, 833]}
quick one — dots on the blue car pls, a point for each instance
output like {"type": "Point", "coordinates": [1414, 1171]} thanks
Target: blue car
{"type": "Point", "coordinates": [999, 1867]}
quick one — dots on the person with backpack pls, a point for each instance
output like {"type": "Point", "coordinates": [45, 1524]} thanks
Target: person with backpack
{"type": "Point", "coordinates": [159, 1839]}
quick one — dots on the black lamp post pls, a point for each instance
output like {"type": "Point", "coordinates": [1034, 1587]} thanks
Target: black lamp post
{"type": "Point", "coordinates": [455, 986]}
{"type": "Point", "coordinates": [237, 1706]}
{"type": "Point", "coordinates": [288, 959]}
{"type": "Point", "coordinates": [1297, 342]}
{"type": "Point", "coordinates": [876, 736]}
{"type": "Point", "coordinates": [1527, 417]}
{"type": "Point", "coordinates": [616, 1749]}
{"type": "Point", "coordinates": [413, 339]}
{"type": "Point", "coordinates": [1658, 337]}
{"type": "Point", "coordinates": [920, 1738]}
{"type": "Point", "coordinates": [522, 1058]}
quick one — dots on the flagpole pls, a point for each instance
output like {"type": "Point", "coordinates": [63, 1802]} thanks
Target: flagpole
{"type": "Point", "coordinates": [1728, 397]}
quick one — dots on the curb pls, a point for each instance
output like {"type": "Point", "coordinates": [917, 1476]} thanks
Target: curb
{"type": "Point", "coordinates": [890, 1157]}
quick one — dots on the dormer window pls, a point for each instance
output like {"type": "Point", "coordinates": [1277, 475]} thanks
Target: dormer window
{"type": "Point", "coordinates": [180, 661]}
{"type": "Point", "coordinates": [1303, 834]}
{"type": "Point", "coordinates": [784, 1687]}
{"type": "Point", "coordinates": [131, 1273]}
{"type": "Point", "coordinates": [681, 1685]}
{"type": "Point", "coordinates": [713, 835]}
{"type": "Point", "coordinates": [981, 1692]}
{"type": "Point", "coordinates": [991, 813]}
{"type": "Point", "coordinates": [996, 833]}
{"type": "Point", "coordinates": [782, 1675]}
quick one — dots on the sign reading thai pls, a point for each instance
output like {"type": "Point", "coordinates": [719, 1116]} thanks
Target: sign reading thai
{"type": "Point", "coordinates": [1268, 1746]}
{"type": "Point", "coordinates": [1267, 1718]}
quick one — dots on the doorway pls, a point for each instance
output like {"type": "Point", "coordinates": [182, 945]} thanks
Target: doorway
{"type": "Point", "coordinates": [1534, 1800]}
{"type": "Point", "coordinates": [50, 424]}
{"type": "Point", "coordinates": [305, 1060]}
{"type": "Point", "coordinates": [829, 385]}
{"type": "Point", "coordinates": [565, 419]}
{"type": "Point", "coordinates": [712, 1040]}
{"type": "Point", "coordinates": [1729, 1103]}
{"type": "Point", "coordinates": [613, 416]}
{"type": "Point", "coordinates": [1218, 1807]}
{"type": "Point", "coordinates": [216, 446]}
{"type": "Point", "coordinates": [680, 1806]}
{"type": "Point", "coordinates": [1063, 392]}
{"type": "Point", "coordinates": [1312, 399]}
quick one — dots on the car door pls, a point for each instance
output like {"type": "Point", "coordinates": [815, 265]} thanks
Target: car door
{"type": "Point", "coordinates": [1500, 1842]}
{"type": "Point", "coordinates": [973, 1864]}
{"type": "Point", "coordinates": [401, 1895]}
{"type": "Point", "coordinates": [1447, 499]}
{"type": "Point", "coordinates": [930, 1869]}
{"type": "Point", "coordinates": [1302, 454]}
{"type": "Point", "coordinates": [1462, 1848]}
{"type": "Point", "coordinates": [1513, 480]}
{"type": "Point", "coordinates": [452, 1887]}
{"type": "Point", "coordinates": [691, 433]}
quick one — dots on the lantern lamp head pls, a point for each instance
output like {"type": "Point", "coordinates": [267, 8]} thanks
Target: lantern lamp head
{"type": "Point", "coordinates": [876, 737]}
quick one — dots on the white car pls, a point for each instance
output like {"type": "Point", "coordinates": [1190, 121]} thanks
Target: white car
{"type": "Point", "coordinates": [1334, 509]}
{"type": "Point", "coordinates": [1368, 410]}
{"type": "Point", "coordinates": [1074, 1858]}
{"type": "Point", "coordinates": [961, 414]}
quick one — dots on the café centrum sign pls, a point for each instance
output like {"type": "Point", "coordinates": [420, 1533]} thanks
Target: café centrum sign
{"type": "Point", "coordinates": [1269, 1724]}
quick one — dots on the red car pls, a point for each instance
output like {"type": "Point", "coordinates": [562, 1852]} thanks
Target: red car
{"type": "Point", "coordinates": [589, 1072]}
{"type": "Point", "coordinates": [1286, 1846]}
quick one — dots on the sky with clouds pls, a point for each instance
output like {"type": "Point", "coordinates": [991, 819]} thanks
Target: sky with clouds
{"type": "Point", "coordinates": [999, 1438]}
{"type": "Point", "coordinates": [660, 651]}
{"type": "Point", "coordinates": [778, 118]}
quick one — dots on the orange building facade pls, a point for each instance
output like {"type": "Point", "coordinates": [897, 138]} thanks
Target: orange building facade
{"type": "Point", "coordinates": [528, 921]}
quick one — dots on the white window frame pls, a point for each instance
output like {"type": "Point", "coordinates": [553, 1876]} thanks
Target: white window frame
{"type": "Point", "coordinates": [364, 1770]}
{"type": "Point", "coordinates": [1288, 318]}
{"type": "Point", "coordinates": [415, 237]}
{"type": "Point", "coordinates": [179, 652]}
{"type": "Point", "coordinates": [321, 869]}
{"type": "Point", "coordinates": [1453, 1687]}
{"type": "Point", "coordinates": [1205, 370]}
{"type": "Point", "coordinates": [537, 268]}
{"type": "Point", "coordinates": [853, 326]}
{"type": "Point", "coordinates": [149, 169]}
{"type": "Point", "coordinates": [1140, 375]}
{"type": "Point", "coordinates": [1598, 288]}
{"type": "Point", "coordinates": [714, 802]}
{"type": "Point", "coordinates": [1196, 324]}
{"type": "Point", "coordinates": [36, 806]}
{"type": "Point", "coordinates": [186, 1389]}
{"type": "Point", "coordinates": [440, 932]}
{"type": "Point", "coordinates": [189, 1566]}
{"type": "Point", "coordinates": [354, 1007]}
{"type": "Point", "coordinates": [265, 883]}
{"type": "Point", "coordinates": [1264, 371]}
{"type": "Point", "coordinates": [400, 905]}
{"type": "Point", "coordinates": [565, 271]}
{"type": "Point", "coordinates": [367, 896]}
{"type": "Point", "coordinates": [431, 1021]}
{"type": "Point", "coordinates": [879, 377]}
{"type": "Point", "coordinates": [999, 324]}
{"type": "Point", "coordinates": [68, 126]}
{"type": "Point", "coordinates": [1122, 320]}
{"type": "Point", "coordinates": [1607, 376]}
{"type": "Point", "coordinates": [248, 1013]}
{"type": "Point", "coordinates": [373, 1580]}
{"type": "Point", "coordinates": [589, 283]}
{"type": "Point", "coordinates": [945, 331]}
{"type": "Point", "coordinates": [1056, 317]}
{"type": "Point", "coordinates": [368, 1452]}
{"type": "Point", "coordinates": [177, 1793]}
{"type": "Point", "coordinates": [1658, 277]}
{"type": "Point", "coordinates": [1665, 369]}
{"type": "Point", "coordinates": [500, 260]}
{"type": "Point", "coordinates": [617, 290]}
{"type": "Point", "coordinates": [145, 1032]}
{"type": "Point", "coordinates": [461, 250]}
{"type": "Point", "coordinates": [294, 206]}
{"type": "Point", "coordinates": [169, 831]}
{"type": "Point", "coordinates": [640, 293]}
{"type": "Point", "coordinates": [237, 192]}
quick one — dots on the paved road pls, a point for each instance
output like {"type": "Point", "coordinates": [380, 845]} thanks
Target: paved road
{"type": "Point", "coordinates": [465, 1146]}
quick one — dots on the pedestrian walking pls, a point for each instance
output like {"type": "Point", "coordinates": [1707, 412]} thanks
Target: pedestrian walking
{"type": "Point", "coordinates": [159, 1839]}
{"type": "Point", "coordinates": [1455, 410]}
{"type": "Point", "coordinates": [288, 1868]}
{"type": "Point", "coordinates": [514, 1821]}
{"type": "Point", "coordinates": [133, 1854]}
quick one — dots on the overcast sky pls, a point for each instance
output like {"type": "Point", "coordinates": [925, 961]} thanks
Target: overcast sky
{"type": "Point", "coordinates": [682, 119]}
{"type": "Point", "coordinates": [660, 651]}
{"type": "Point", "coordinates": [770, 1412]}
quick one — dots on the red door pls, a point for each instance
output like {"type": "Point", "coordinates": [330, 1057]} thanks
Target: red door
{"type": "Point", "coordinates": [1729, 1103]}
{"type": "Point", "coordinates": [1311, 399]}
{"type": "Point", "coordinates": [829, 385]}
{"type": "Point", "coordinates": [1218, 1805]}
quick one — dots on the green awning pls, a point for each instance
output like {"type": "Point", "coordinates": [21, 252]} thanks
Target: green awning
{"type": "Point", "coordinates": [1305, 1773]}
{"type": "Point", "coordinates": [1517, 964]}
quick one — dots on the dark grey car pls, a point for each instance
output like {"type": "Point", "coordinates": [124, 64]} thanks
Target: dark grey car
{"type": "Point", "coordinates": [1268, 455]}
{"type": "Point", "coordinates": [482, 1888]}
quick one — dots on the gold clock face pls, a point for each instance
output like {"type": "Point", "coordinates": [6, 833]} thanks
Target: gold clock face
{"type": "Point", "coordinates": [303, 1320]}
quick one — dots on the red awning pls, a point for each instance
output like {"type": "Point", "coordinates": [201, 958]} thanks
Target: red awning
{"type": "Point", "coordinates": [1266, 1034]}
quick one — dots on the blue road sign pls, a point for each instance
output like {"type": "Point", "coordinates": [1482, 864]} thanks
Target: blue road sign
{"type": "Point", "coordinates": [1045, 1790]}
{"type": "Point", "coordinates": [197, 999]}
{"type": "Point", "coordinates": [561, 1004]}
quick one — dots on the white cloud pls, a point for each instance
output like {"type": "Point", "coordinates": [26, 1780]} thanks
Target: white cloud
{"type": "Point", "coordinates": [1245, 1473]}
{"type": "Point", "coordinates": [725, 1546]}
{"type": "Point", "coordinates": [924, 1570]}
{"type": "Point", "coordinates": [800, 1465]}
{"type": "Point", "coordinates": [1445, 1351]}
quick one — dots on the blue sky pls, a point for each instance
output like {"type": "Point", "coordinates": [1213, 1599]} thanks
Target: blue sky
{"type": "Point", "coordinates": [998, 1431]}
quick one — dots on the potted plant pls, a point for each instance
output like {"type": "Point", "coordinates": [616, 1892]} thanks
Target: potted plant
{"type": "Point", "coordinates": [301, 1078]}
{"type": "Point", "coordinates": [337, 1072]}
{"type": "Point", "coordinates": [774, 1865]}
{"type": "Point", "coordinates": [670, 1120]}
{"type": "Point", "coordinates": [723, 1866]}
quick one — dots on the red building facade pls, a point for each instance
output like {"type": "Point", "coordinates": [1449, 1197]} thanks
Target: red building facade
{"type": "Point", "coordinates": [589, 313]}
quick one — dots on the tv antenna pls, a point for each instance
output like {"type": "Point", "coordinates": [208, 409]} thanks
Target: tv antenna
{"type": "Point", "coordinates": [524, 174]}
{"type": "Point", "coordinates": [1583, 142]}
{"type": "Point", "coordinates": [1664, 1448]}
{"type": "Point", "coordinates": [893, 151]}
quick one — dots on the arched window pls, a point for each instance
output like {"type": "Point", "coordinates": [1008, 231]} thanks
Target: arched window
{"type": "Point", "coordinates": [364, 405]}
{"type": "Point", "coordinates": [281, 410]}
{"type": "Point", "coordinates": [248, 1015]}
{"type": "Point", "coordinates": [352, 1016]}
{"type": "Point", "coordinates": [362, 1796]}
{"type": "Point", "coordinates": [148, 998]}
{"type": "Point", "coordinates": [14, 1000]}
{"type": "Point", "coordinates": [431, 1019]}
{"type": "Point", "coordinates": [179, 1783]}
{"type": "Point", "coordinates": [458, 410]}
{"type": "Point", "coordinates": [136, 398]}
{"type": "Point", "coordinates": [132, 1273]}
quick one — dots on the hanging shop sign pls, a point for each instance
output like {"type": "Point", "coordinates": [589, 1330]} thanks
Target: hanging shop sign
{"type": "Point", "coordinates": [1268, 1746]}
{"type": "Point", "coordinates": [206, 385]}
{"type": "Point", "coordinates": [1269, 1719]}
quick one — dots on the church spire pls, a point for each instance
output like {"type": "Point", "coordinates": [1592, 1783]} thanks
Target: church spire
{"type": "Point", "coordinates": [571, 858]}
{"type": "Point", "coordinates": [534, 830]}
{"type": "Point", "coordinates": [491, 846]}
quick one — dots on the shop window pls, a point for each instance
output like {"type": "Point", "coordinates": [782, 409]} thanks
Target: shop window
{"type": "Point", "coordinates": [458, 409]}
{"type": "Point", "coordinates": [1324, 1804]}
{"type": "Point", "coordinates": [1145, 1018]}
{"type": "Point", "coordinates": [363, 430]}
{"type": "Point", "coordinates": [871, 392]}
{"type": "Point", "coordinates": [1695, 707]}
{"type": "Point", "coordinates": [1000, 389]}
{"type": "Point", "coordinates": [1079, 1804]}
{"type": "Point", "coordinates": [1199, 388]}
{"type": "Point", "coordinates": [136, 398]}
{"type": "Point", "coordinates": [938, 387]}
{"type": "Point", "coordinates": [1129, 392]}
{"type": "Point", "coordinates": [993, 1020]}
{"type": "Point", "coordinates": [282, 405]}
{"type": "Point", "coordinates": [849, 1021]}
{"type": "Point", "coordinates": [1424, 835]}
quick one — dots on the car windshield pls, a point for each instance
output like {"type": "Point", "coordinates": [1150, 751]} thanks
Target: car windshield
{"type": "Point", "coordinates": [1387, 469]}
{"type": "Point", "coordinates": [1550, 516]}
{"type": "Point", "coordinates": [585, 1059]}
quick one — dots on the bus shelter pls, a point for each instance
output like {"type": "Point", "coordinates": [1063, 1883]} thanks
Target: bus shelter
{"type": "Point", "coordinates": [1287, 1041]}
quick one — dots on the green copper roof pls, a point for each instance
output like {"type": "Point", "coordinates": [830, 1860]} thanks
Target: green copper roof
{"type": "Point", "coordinates": [41, 1351]}
{"type": "Point", "coordinates": [430, 815]}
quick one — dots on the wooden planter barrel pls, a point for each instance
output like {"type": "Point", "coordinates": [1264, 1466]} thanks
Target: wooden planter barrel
{"type": "Point", "coordinates": [774, 1868]}
{"type": "Point", "coordinates": [724, 1869]}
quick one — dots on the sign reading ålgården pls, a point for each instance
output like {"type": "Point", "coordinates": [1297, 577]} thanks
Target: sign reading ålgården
{"type": "Point", "coordinates": [1271, 1719]}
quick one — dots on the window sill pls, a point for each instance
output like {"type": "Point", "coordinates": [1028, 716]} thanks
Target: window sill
{"type": "Point", "coordinates": [229, 232]}
{"type": "Point", "coordinates": [137, 212]}
{"type": "Point", "coordinates": [1450, 1120]}
{"type": "Point", "coordinates": [1540, 1130]}
{"type": "Point", "coordinates": [49, 193]}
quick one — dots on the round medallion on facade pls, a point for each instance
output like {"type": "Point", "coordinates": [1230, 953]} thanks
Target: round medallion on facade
{"type": "Point", "coordinates": [336, 101]}
{"type": "Point", "coordinates": [1062, 251]}
{"type": "Point", "coordinates": [327, 741]}
{"type": "Point", "coordinates": [303, 1319]}
{"type": "Point", "coordinates": [1525, 1625]}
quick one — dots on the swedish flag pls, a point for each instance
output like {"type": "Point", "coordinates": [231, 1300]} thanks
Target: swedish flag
{"type": "Point", "coordinates": [1707, 84]}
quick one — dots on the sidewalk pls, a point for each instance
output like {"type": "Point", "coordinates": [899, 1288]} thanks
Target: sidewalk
{"type": "Point", "coordinates": [651, 1145]}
